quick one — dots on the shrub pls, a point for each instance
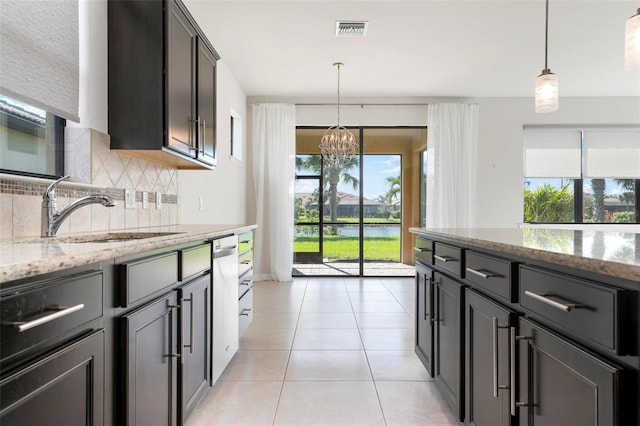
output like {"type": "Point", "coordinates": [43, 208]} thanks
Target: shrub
{"type": "Point", "coordinates": [624, 217]}
{"type": "Point", "coordinates": [548, 204]}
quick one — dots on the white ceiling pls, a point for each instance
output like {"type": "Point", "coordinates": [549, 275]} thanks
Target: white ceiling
{"type": "Point", "coordinates": [420, 48]}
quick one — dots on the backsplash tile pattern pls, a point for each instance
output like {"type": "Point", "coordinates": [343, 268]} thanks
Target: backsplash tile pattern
{"type": "Point", "coordinates": [94, 168]}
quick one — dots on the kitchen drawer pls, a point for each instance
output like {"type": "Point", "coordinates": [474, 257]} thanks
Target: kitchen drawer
{"type": "Point", "coordinates": [245, 311]}
{"type": "Point", "coordinates": [424, 250]}
{"type": "Point", "coordinates": [141, 278]}
{"type": "Point", "coordinates": [40, 312]}
{"type": "Point", "coordinates": [448, 258]}
{"type": "Point", "coordinates": [245, 282]}
{"type": "Point", "coordinates": [245, 242]}
{"type": "Point", "coordinates": [493, 274]}
{"type": "Point", "coordinates": [245, 263]}
{"type": "Point", "coordinates": [589, 310]}
{"type": "Point", "coordinates": [195, 260]}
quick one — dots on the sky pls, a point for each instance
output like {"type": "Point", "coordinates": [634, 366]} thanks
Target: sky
{"type": "Point", "coordinates": [376, 170]}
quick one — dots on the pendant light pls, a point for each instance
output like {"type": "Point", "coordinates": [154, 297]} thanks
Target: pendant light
{"type": "Point", "coordinates": [337, 142]}
{"type": "Point", "coordinates": [632, 42]}
{"type": "Point", "coordinates": [546, 82]}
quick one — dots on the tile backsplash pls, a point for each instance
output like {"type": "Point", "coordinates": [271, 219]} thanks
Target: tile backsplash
{"type": "Point", "coordinates": [93, 168]}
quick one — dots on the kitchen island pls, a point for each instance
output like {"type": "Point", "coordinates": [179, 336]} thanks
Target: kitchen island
{"type": "Point", "coordinates": [531, 326]}
{"type": "Point", "coordinates": [122, 327]}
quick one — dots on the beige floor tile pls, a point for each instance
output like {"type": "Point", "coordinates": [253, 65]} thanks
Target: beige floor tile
{"type": "Point", "coordinates": [384, 320]}
{"type": "Point", "coordinates": [275, 319]}
{"type": "Point", "coordinates": [396, 365]}
{"type": "Point", "coordinates": [326, 296]}
{"type": "Point", "coordinates": [414, 403]}
{"type": "Point", "coordinates": [388, 338]}
{"type": "Point", "coordinates": [366, 287]}
{"type": "Point", "coordinates": [371, 296]}
{"type": "Point", "coordinates": [327, 338]}
{"type": "Point", "coordinates": [255, 338]}
{"type": "Point", "coordinates": [257, 366]}
{"type": "Point", "coordinates": [329, 403]}
{"type": "Point", "coordinates": [326, 320]}
{"type": "Point", "coordinates": [381, 307]}
{"type": "Point", "coordinates": [327, 365]}
{"type": "Point", "coordinates": [238, 404]}
{"type": "Point", "coordinates": [327, 306]}
{"type": "Point", "coordinates": [276, 305]}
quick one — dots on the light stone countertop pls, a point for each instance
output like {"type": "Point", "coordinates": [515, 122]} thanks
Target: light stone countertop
{"type": "Point", "coordinates": [29, 257]}
{"type": "Point", "coordinates": [614, 253]}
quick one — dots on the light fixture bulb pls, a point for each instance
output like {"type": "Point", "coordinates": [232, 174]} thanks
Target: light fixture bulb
{"type": "Point", "coordinates": [546, 92]}
{"type": "Point", "coordinates": [632, 43]}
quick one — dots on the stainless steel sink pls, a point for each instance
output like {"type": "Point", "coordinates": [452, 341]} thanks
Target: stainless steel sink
{"type": "Point", "coordinates": [113, 237]}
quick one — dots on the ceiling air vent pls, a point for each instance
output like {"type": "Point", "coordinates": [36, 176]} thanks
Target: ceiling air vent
{"type": "Point", "coordinates": [351, 28]}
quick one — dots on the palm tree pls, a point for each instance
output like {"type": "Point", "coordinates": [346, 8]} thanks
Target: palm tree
{"type": "Point", "coordinates": [598, 186]}
{"type": "Point", "coordinates": [394, 188]}
{"type": "Point", "coordinates": [627, 197]}
{"type": "Point", "coordinates": [333, 172]}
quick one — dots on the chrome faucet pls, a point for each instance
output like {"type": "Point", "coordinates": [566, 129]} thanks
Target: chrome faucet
{"type": "Point", "coordinates": [52, 218]}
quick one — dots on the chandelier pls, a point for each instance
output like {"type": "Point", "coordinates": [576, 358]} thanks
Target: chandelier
{"type": "Point", "coordinates": [632, 42]}
{"type": "Point", "coordinates": [546, 93]}
{"type": "Point", "coordinates": [337, 142]}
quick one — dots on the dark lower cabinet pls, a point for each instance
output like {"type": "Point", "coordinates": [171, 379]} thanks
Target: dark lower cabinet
{"type": "Point", "coordinates": [424, 316]}
{"type": "Point", "coordinates": [487, 366]}
{"type": "Point", "coordinates": [561, 384]}
{"type": "Point", "coordinates": [65, 388]}
{"type": "Point", "coordinates": [152, 354]}
{"type": "Point", "coordinates": [195, 369]}
{"type": "Point", "coordinates": [449, 341]}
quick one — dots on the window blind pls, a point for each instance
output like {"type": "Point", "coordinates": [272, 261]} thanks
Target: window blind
{"type": "Point", "coordinates": [39, 51]}
{"type": "Point", "coordinates": [552, 152]}
{"type": "Point", "coordinates": [612, 153]}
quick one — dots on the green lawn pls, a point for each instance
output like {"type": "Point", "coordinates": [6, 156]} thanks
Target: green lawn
{"type": "Point", "coordinates": [346, 248]}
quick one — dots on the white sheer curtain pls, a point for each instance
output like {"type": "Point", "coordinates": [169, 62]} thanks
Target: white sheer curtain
{"type": "Point", "coordinates": [452, 135]}
{"type": "Point", "coordinates": [274, 151]}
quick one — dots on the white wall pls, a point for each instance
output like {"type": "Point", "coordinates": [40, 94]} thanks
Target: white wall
{"type": "Point", "coordinates": [501, 120]}
{"type": "Point", "coordinates": [223, 190]}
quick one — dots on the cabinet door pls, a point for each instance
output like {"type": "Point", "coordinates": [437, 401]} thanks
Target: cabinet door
{"type": "Point", "coordinates": [64, 388]}
{"type": "Point", "coordinates": [424, 315]}
{"type": "Point", "coordinates": [206, 104]}
{"type": "Point", "coordinates": [561, 384]}
{"type": "Point", "coordinates": [448, 341]}
{"type": "Point", "coordinates": [180, 82]}
{"type": "Point", "coordinates": [195, 299]}
{"type": "Point", "coordinates": [151, 356]}
{"type": "Point", "coordinates": [487, 365]}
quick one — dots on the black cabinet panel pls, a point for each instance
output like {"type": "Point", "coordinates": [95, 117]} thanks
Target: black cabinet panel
{"type": "Point", "coordinates": [424, 316]}
{"type": "Point", "coordinates": [561, 384]}
{"type": "Point", "coordinates": [449, 341]}
{"type": "Point", "coordinates": [206, 104]}
{"type": "Point", "coordinates": [152, 354]}
{"type": "Point", "coordinates": [65, 388]}
{"type": "Point", "coordinates": [487, 361]}
{"type": "Point", "coordinates": [141, 278]}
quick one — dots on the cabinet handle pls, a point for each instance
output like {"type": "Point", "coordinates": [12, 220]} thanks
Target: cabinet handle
{"type": "Point", "coordinates": [421, 249]}
{"type": "Point", "coordinates": [482, 274]}
{"type": "Point", "coordinates": [544, 298]}
{"type": "Point", "coordinates": [190, 345]}
{"type": "Point", "coordinates": [512, 370]}
{"type": "Point", "coordinates": [245, 312]}
{"type": "Point", "coordinates": [426, 289]}
{"type": "Point", "coordinates": [444, 259]}
{"type": "Point", "coordinates": [181, 354]}
{"type": "Point", "coordinates": [59, 313]}
{"type": "Point", "coordinates": [245, 282]}
{"type": "Point", "coordinates": [226, 248]}
{"type": "Point", "coordinates": [245, 242]}
{"type": "Point", "coordinates": [245, 262]}
{"type": "Point", "coordinates": [496, 386]}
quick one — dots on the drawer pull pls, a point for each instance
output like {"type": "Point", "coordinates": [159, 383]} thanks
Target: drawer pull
{"type": "Point", "coordinates": [245, 312]}
{"type": "Point", "coordinates": [59, 313]}
{"type": "Point", "coordinates": [421, 249]}
{"type": "Point", "coordinates": [512, 370]}
{"type": "Point", "coordinates": [496, 386]}
{"type": "Point", "coordinates": [544, 298]}
{"type": "Point", "coordinates": [482, 274]}
{"type": "Point", "coordinates": [245, 282]}
{"type": "Point", "coordinates": [245, 242]}
{"type": "Point", "coordinates": [190, 300]}
{"type": "Point", "coordinates": [245, 262]}
{"type": "Point", "coordinates": [444, 259]}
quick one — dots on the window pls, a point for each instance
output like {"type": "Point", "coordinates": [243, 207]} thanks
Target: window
{"type": "Point", "coordinates": [235, 130]}
{"type": "Point", "coordinates": [582, 175]}
{"type": "Point", "coordinates": [31, 140]}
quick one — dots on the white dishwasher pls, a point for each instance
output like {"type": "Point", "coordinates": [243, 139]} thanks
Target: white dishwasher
{"type": "Point", "coordinates": [224, 342]}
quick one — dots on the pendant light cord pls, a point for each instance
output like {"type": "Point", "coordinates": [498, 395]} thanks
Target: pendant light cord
{"type": "Point", "coordinates": [546, 34]}
{"type": "Point", "coordinates": [338, 64]}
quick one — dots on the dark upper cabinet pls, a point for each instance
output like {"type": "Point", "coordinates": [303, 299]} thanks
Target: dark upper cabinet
{"type": "Point", "coordinates": [424, 316]}
{"type": "Point", "coordinates": [487, 367]}
{"type": "Point", "coordinates": [562, 384]}
{"type": "Point", "coordinates": [162, 84]}
{"type": "Point", "coordinates": [449, 341]}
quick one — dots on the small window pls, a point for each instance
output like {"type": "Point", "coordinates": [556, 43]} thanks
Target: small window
{"type": "Point", "coordinates": [235, 131]}
{"type": "Point", "coordinates": [31, 140]}
{"type": "Point", "coordinates": [548, 200]}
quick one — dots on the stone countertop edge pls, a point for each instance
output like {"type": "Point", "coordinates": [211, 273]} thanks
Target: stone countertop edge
{"type": "Point", "coordinates": [627, 271]}
{"type": "Point", "coordinates": [30, 257]}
